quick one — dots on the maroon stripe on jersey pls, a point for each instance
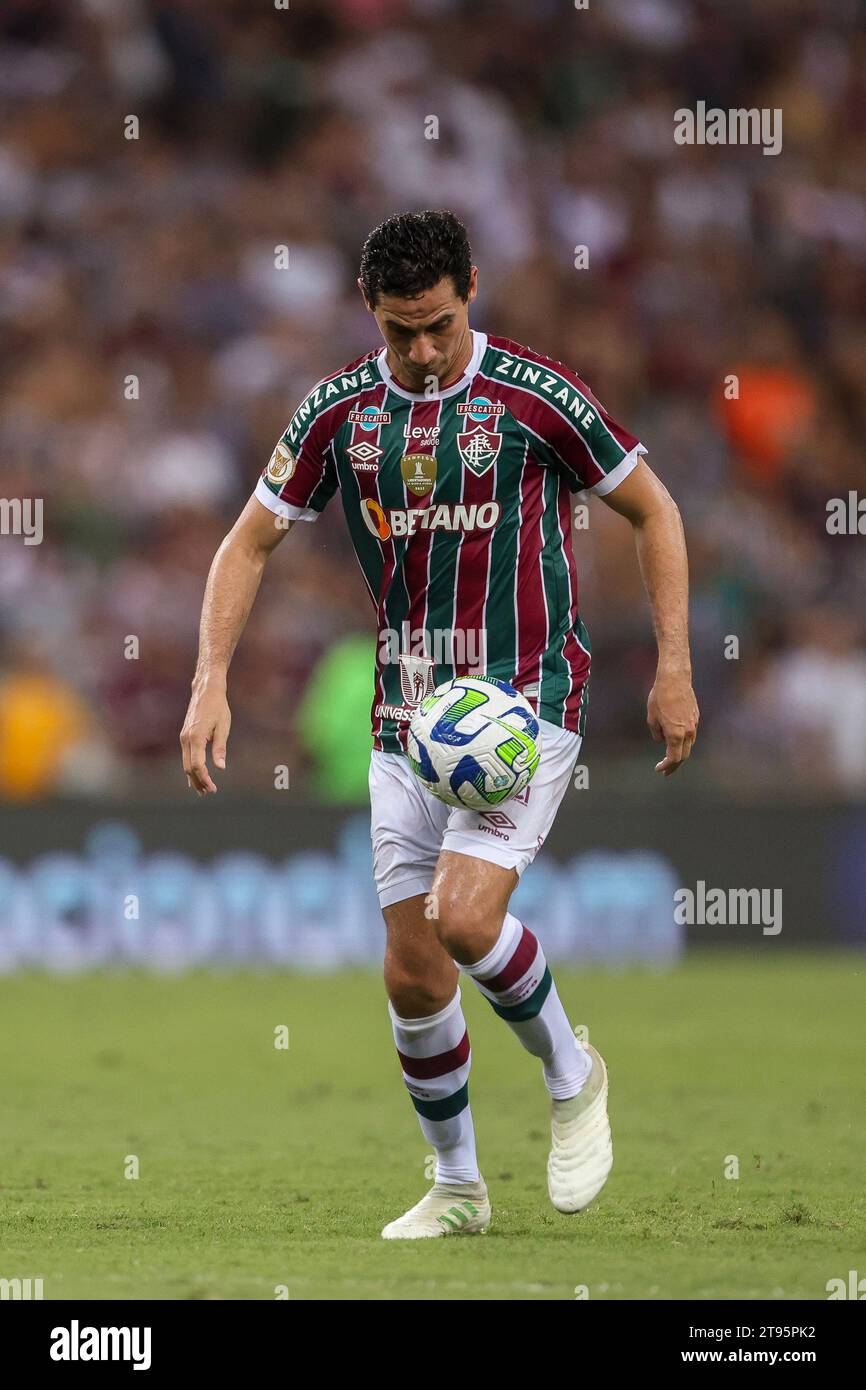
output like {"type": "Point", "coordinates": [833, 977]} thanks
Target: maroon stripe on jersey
{"type": "Point", "coordinates": [623, 437]}
{"type": "Point", "coordinates": [368, 487]}
{"type": "Point", "coordinates": [517, 966]}
{"type": "Point", "coordinates": [473, 558]}
{"type": "Point", "coordinates": [547, 421]}
{"type": "Point", "coordinates": [416, 556]}
{"type": "Point", "coordinates": [355, 365]}
{"type": "Point", "coordinates": [315, 436]}
{"type": "Point", "coordinates": [426, 1068]}
{"type": "Point", "coordinates": [529, 592]}
{"type": "Point", "coordinates": [311, 449]}
{"type": "Point", "coordinates": [423, 415]}
{"type": "Point", "coordinates": [578, 660]}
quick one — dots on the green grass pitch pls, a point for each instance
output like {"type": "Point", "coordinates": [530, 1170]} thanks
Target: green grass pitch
{"type": "Point", "coordinates": [261, 1168]}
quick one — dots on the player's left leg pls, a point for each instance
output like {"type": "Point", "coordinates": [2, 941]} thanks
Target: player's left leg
{"type": "Point", "coordinates": [474, 880]}
{"type": "Point", "coordinates": [507, 963]}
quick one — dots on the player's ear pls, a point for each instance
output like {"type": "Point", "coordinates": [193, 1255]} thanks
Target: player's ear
{"type": "Point", "coordinates": [367, 303]}
{"type": "Point", "coordinates": [473, 284]}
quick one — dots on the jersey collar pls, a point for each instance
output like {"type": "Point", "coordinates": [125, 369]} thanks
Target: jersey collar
{"type": "Point", "coordinates": [479, 341]}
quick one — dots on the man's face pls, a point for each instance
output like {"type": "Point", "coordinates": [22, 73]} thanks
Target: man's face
{"type": "Point", "coordinates": [427, 336]}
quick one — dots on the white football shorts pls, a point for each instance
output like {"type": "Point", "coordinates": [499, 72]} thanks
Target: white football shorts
{"type": "Point", "coordinates": [409, 827]}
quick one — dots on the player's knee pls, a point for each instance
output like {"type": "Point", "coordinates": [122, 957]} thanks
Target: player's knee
{"type": "Point", "coordinates": [460, 924]}
{"type": "Point", "coordinates": [413, 995]}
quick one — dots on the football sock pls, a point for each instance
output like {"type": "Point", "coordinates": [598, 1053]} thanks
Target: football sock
{"type": "Point", "coordinates": [435, 1056]}
{"type": "Point", "coordinates": [515, 977]}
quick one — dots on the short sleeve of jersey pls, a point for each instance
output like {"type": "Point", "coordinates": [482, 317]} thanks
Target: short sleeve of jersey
{"type": "Point", "coordinates": [566, 426]}
{"type": "Point", "coordinates": [596, 452]}
{"type": "Point", "coordinates": [300, 479]}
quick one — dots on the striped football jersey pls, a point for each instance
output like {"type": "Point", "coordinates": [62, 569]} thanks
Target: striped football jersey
{"type": "Point", "coordinates": [459, 508]}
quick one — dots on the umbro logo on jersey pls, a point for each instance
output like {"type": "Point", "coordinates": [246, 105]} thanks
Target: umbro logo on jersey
{"type": "Point", "coordinates": [364, 456]}
{"type": "Point", "coordinates": [370, 417]}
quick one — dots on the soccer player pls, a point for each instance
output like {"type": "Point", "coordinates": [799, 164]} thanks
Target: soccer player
{"type": "Point", "coordinates": [456, 456]}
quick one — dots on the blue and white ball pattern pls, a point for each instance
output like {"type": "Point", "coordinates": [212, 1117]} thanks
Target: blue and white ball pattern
{"type": "Point", "coordinates": [474, 742]}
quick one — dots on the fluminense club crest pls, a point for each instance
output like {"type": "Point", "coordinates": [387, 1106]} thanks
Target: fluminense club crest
{"type": "Point", "coordinates": [479, 448]}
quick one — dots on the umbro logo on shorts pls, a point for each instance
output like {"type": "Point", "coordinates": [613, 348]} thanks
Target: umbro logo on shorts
{"type": "Point", "coordinates": [497, 824]}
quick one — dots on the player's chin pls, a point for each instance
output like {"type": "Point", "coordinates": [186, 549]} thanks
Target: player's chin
{"type": "Point", "coordinates": [417, 382]}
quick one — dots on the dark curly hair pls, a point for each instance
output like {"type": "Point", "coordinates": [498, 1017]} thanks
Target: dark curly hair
{"type": "Point", "coordinates": [412, 252]}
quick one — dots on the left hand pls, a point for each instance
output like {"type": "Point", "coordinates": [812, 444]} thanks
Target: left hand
{"type": "Point", "coordinates": [672, 714]}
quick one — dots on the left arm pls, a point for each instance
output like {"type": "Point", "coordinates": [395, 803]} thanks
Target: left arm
{"type": "Point", "coordinates": [672, 710]}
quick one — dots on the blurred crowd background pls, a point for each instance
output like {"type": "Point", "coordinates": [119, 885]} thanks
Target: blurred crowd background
{"type": "Point", "coordinates": [154, 258]}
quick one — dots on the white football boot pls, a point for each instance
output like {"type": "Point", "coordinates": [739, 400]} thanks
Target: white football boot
{"type": "Point", "coordinates": [581, 1155]}
{"type": "Point", "coordinates": [447, 1210]}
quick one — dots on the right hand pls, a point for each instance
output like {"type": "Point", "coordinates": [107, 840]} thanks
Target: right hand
{"type": "Point", "coordinates": [207, 719]}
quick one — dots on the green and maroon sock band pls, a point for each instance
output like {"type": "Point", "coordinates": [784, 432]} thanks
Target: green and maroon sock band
{"type": "Point", "coordinates": [435, 1057]}
{"type": "Point", "coordinates": [438, 1072]}
{"type": "Point", "coordinates": [517, 980]}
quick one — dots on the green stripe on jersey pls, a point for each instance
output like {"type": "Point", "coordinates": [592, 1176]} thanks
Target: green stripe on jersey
{"type": "Point", "coordinates": [468, 526]}
{"type": "Point", "coordinates": [541, 379]}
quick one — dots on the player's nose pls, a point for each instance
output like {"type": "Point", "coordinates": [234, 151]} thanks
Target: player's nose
{"type": "Point", "coordinates": [422, 352]}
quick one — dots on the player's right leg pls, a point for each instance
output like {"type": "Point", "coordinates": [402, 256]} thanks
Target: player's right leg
{"type": "Point", "coordinates": [432, 1044]}
{"type": "Point", "coordinates": [424, 1003]}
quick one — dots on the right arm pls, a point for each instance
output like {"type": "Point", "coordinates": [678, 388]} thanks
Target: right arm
{"type": "Point", "coordinates": [232, 585]}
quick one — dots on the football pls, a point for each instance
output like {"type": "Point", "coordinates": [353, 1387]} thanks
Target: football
{"type": "Point", "coordinates": [474, 742]}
